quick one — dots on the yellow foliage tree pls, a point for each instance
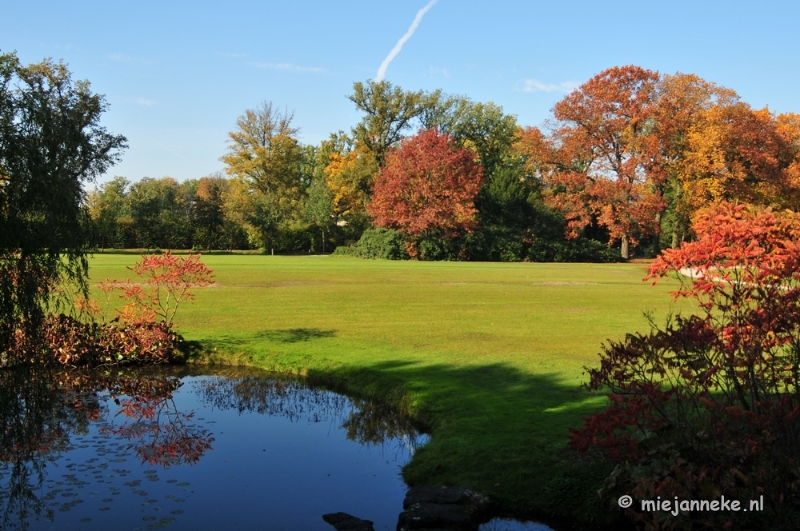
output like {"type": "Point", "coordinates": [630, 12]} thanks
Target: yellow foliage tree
{"type": "Point", "coordinates": [735, 153]}
{"type": "Point", "coordinates": [349, 176]}
{"type": "Point", "coordinates": [265, 153]}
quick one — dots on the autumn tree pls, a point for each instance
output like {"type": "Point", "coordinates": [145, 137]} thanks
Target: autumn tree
{"type": "Point", "coordinates": [735, 153]}
{"type": "Point", "coordinates": [595, 161]}
{"type": "Point", "coordinates": [680, 101]}
{"type": "Point", "coordinates": [629, 147]}
{"type": "Point", "coordinates": [427, 188]}
{"type": "Point", "coordinates": [606, 123]}
{"type": "Point", "coordinates": [355, 159]}
{"type": "Point", "coordinates": [265, 150]}
{"type": "Point", "coordinates": [350, 174]}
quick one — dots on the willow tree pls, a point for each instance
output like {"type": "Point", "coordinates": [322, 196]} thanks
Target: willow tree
{"type": "Point", "coordinates": [51, 143]}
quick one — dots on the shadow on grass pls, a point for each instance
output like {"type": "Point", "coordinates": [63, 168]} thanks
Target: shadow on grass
{"type": "Point", "coordinates": [497, 429]}
{"type": "Point", "coordinates": [188, 349]}
{"type": "Point", "coordinates": [294, 335]}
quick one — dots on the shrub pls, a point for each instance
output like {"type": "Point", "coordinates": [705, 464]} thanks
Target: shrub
{"type": "Point", "coordinates": [377, 242]}
{"type": "Point", "coordinates": [578, 250]}
{"type": "Point", "coordinates": [165, 281]}
{"type": "Point", "coordinates": [709, 405]}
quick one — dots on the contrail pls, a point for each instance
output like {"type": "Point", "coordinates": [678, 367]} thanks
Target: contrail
{"type": "Point", "coordinates": [168, 149]}
{"type": "Point", "coordinates": [399, 46]}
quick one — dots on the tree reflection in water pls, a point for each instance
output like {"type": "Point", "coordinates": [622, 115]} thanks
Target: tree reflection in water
{"type": "Point", "coordinates": [46, 414]}
{"type": "Point", "coordinates": [164, 435]}
{"type": "Point", "coordinates": [40, 409]}
{"type": "Point", "coordinates": [366, 421]}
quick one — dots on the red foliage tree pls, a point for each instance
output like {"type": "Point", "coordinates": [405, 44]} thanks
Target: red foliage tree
{"type": "Point", "coordinates": [428, 186]}
{"type": "Point", "coordinates": [710, 404]}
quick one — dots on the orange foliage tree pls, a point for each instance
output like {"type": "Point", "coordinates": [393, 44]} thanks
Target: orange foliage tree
{"type": "Point", "coordinates": [427, 188]}
{"type": "Point", "coordinates": [349, 176]}
{"type": "Point", "coordinates": [680, 101]}
{"type": "Point", "coordinates": [596, 161]}
{"type": "Point", "coordinates": [629, 146]}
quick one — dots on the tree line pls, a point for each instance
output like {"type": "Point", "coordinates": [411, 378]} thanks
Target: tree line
{"type": "Point", "coordinates": [281, 196]}
{"type": "Point", "coordinates": [620, 169]}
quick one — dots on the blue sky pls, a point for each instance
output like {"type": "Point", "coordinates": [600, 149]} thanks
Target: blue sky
{"type": "Point", "coordinates": [176, 75]}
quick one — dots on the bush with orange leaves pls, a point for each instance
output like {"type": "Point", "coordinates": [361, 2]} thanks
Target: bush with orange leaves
{"type": "Point", "coordinates": [709, 404]}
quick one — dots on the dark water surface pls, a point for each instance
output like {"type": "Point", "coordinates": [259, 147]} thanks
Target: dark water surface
{"type": "Point", "coordinates": [177, 449]}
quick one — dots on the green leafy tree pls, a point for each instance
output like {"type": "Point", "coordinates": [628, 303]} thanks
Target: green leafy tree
{"type": "Point", "coordinates": [389, 111]}
{"type": "Point", "coordinates": [265, 156]}
{"type": "Point", "coordinates": [208, 214]}
{"type": "Point", "coordinates": [319, 205]}
{"type": "Point", "coordinates": [159, 213]}
{"type": "Point", "coordinates": [481, 127]}
{"type": "Point", "coordinates": [106, 206]}
{"type": "Point", "coordinates": [51, 143]}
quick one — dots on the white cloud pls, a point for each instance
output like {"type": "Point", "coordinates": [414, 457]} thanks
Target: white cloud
{"type": "Point", "coordinates": [288, 66]}
{"type": "Point", "coordinates": [439, 71]}
{"type": "Point", "coordinates": [399, 46]}
{"type": "Point", "coordinates": [532, 85]}
{"type": "Point", "coordinates": [143, 101]}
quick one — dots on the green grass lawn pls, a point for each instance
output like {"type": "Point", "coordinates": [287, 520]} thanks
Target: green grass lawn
{"type": "Point", "coordinates": [488, 355]}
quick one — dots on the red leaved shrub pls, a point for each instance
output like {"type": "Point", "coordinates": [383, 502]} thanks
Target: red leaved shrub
{"type": "Point", "coordinates": [709, 405]}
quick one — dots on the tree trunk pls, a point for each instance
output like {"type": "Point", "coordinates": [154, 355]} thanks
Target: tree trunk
{"type": "Point", "coordinates": [624, 249]}
{"type": "Point", "coordinates": [657, 238]}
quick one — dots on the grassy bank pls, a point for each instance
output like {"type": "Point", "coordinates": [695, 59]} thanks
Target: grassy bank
{"type": "Point", "coordinates": [489, 355]}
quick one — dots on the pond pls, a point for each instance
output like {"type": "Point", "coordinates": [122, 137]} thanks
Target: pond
{"type": "Point", "coordinates": [176, 448]}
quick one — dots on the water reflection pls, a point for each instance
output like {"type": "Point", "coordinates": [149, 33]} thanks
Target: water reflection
{"type": "Point", "coordinates": [96, 427]}
{"type": "Point", "coordinates": [163, 434]}
{"type": "Point", "coordinates": [365, 421]}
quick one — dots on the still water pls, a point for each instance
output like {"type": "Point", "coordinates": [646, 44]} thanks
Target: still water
{"type": "Point", "coordinates": [177, 448]}
{"type": "Point", "coordinates": [174, 449]}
